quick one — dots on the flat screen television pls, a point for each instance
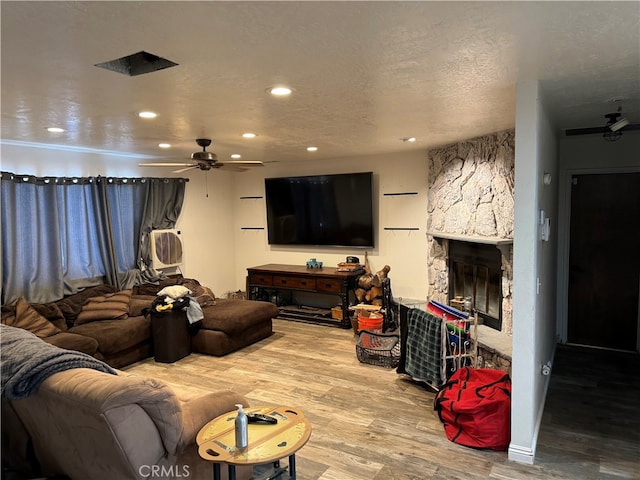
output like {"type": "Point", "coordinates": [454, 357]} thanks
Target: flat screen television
{"type": "Point", "coordinates": [330, 210]}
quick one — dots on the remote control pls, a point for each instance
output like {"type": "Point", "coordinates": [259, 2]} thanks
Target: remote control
{"type": "Point", "coordinates": [260, 418]}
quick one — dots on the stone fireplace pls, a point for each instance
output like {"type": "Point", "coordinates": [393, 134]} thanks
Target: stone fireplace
{"type": "Point", "coordinates": [470, 225]}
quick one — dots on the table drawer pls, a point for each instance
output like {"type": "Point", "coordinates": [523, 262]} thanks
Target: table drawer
{"type": "Point", "coordinates": [261, 279]}
{"type": "Point", "coordinates": [299, 283]}
{"type": "Point", "coordinates": [329, 285]}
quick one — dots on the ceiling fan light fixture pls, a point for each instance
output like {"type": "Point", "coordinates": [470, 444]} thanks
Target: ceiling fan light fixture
{"type": "Point", "coordinates": [204, 157]}
{"type": "Point", "coordinates": [610, 136]}
{"type": "Point", "coordinates": [619, 124]}
{"type": "Point", "coordinates": [612, 128]}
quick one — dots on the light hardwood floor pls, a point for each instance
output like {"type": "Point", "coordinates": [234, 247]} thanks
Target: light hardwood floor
{"type": "Point", "coordinates": [371, 423]}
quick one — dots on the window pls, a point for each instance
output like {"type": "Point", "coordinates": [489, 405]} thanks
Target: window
{"type": "Point", "coordinates": [63, 234]}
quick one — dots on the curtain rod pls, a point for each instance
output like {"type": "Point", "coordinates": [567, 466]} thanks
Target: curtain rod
{"type": "Point", "coordinates": [26, 178]}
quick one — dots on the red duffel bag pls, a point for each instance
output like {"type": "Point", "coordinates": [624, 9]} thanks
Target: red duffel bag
{"type": "Point", "coordinates": [475, 408]}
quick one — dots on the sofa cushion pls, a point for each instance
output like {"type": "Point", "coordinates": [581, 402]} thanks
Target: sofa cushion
{"type": "Point", "coordinates": [235, 316]}
{"type": "Point", "coordinates": [73, 341]}
{"type": "Point", "coordinates": [203, 295]}
{"type": "Point", "coordinates": [139, 303]}
{"type": "Point", "coordinates": [71, 306]}
{"type": "Point", "coordinates": [27, 318]}
{"type": "Point", "coordinates": [105, 307]}
{"type": "Point", "coordinates": [154, 288]}
{"type": "Point", "coordinates": [51, 312]}
{"type": "Point", "coordinates": [116, 335]}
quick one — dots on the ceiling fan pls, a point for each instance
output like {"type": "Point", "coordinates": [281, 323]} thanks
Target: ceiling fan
{"type": "Point", "coordinates": [206, 161]}
{"type": "Point", "coordinates": [611, 131]}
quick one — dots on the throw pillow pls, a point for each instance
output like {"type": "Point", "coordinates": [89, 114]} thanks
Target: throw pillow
{"type": "Point", "coordinates": [71, 305]}
{"type": "Point", "coordinates": [105, 307]}
{"type": "Point", "coordinates": [203, 295]}
{"type": "Point", "coordinates": [175, 292]}
{"type": "Point", "coordinates": [206, 298]}
{"type": "Point", "coordinates": [27, 318]}
{"type": "Point", "coordinates": [140, 303]}
{"type": "Point", "coordinates": [51, 312]}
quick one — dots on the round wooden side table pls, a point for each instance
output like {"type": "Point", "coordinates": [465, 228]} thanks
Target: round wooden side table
{"type": "Point", "coordinates": [268, 443]}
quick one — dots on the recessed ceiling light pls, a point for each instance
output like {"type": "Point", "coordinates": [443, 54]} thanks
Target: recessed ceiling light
{"type": "Point", "coordinates": [236, 155]}
{"type": "Point", "coordinates": [147, 115]}
{"type": "Point", "coordinates": [312, 149]}
{"type": "Point", "coordinates": [55, 129]}
{"type": "Point", "coordinates": [249, 135]}
{"type": "Point", "coordinates": [280, 91]}
{"type": "Point", "coordinates": [409, 139]}
{"type": "Point", "coordinates": [164, 145]}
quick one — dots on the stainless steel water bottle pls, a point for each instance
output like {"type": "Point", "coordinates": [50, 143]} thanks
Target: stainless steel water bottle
{"type": "Point", "coordinates": [242, 427]}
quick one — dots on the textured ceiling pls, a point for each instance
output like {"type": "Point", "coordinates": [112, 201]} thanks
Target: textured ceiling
{"type": "Point", "coordinates": [364, 74]}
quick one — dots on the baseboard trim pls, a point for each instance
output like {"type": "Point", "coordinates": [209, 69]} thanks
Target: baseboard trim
{"type": "Point", "coordinates": [521, 454]}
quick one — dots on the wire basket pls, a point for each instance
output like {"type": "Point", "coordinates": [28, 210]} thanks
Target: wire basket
{"type": "Point", "coordinates": [381, 349]}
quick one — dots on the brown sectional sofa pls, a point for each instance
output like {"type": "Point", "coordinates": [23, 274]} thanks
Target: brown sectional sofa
{"type": "Point", "coordinates": [233, 324]}
{"type": "Point", "coordinates": [112, 326]}
{"type": "Point", "coordinates": [122, 424]}
{"type": "Point", "coordinates": [86, 424]}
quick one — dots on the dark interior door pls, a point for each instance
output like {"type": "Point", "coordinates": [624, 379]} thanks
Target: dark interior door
{"type": "Point", "coordinates": [604, 260]}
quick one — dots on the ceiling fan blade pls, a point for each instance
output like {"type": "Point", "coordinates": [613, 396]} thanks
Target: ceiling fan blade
{"type": "Point", "coordinates": [592, 130]}
{"type": "Point", "coordinates": [246, 163]}
{"type": "Point", "coordinates": [584, 131]}
{"type": "Point", "coordinates": [165, 164]}
{"type": "Point", "coordinates": [185, 169]}
{"type": "Point", "coordinates": [230, 167]}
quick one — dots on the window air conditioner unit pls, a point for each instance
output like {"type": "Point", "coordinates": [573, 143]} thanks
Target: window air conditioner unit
{"type": "Point", "coordinates": [166, 248]}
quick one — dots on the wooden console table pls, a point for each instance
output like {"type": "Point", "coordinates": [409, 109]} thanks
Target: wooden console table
{"type": "Point", "coordinates": [326, 280]}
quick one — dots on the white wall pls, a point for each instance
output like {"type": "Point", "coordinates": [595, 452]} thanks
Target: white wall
{"type": "Point", "coordinates": [403, 251]}
{"type": "Point", "coordinates": [206, 224]}
{"type": "Point", "coordinates": [534, 289]}
{"type": "Point", "coordinates": [218, 251]}
{"type": "Point", "coordinates": [583, 155]}
{"type": "Point", "coordinates": [43, 160]}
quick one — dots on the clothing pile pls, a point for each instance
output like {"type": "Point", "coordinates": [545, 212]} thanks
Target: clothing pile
{"type": "Point", "coordinates": [176, 297]}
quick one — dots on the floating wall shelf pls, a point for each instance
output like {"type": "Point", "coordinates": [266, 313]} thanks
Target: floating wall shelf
{"type": "Point", "coordinates": [251, 228]}
{"type": "Point", "coordinates": [399, 193]}
{"type": "Point", "coordinates": [401, 228]}
{"type": "Point", "coordinates": [249, 198]}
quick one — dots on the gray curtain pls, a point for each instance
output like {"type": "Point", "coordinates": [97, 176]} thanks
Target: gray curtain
{"type": "Point", "coordinates": [60, 235]}
{"type": "Point", "coordinates": [162, 209]}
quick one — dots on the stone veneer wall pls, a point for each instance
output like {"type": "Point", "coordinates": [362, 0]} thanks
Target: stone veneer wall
{"type": "Point", "coordinates": [471, 193]}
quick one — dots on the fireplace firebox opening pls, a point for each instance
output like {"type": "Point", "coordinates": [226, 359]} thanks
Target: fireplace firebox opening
{"type": "Point", "coordinates": [475, 271]}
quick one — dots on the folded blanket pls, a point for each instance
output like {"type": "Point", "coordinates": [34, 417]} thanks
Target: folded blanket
{"type": "Point", "coordinates": [26, 361]}
{"type": "Point", "coordinates": [424, 360]}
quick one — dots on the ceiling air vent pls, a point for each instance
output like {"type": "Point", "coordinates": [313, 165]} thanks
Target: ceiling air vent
{"type": "Point", "coordinates": [137, 64]}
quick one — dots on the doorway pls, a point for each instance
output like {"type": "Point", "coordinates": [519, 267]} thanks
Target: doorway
{"type": "Point", "coordinates": [604, 261]}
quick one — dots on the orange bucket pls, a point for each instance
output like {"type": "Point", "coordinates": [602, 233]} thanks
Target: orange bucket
{"type": "Point", "coordinates": [372, 322]}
